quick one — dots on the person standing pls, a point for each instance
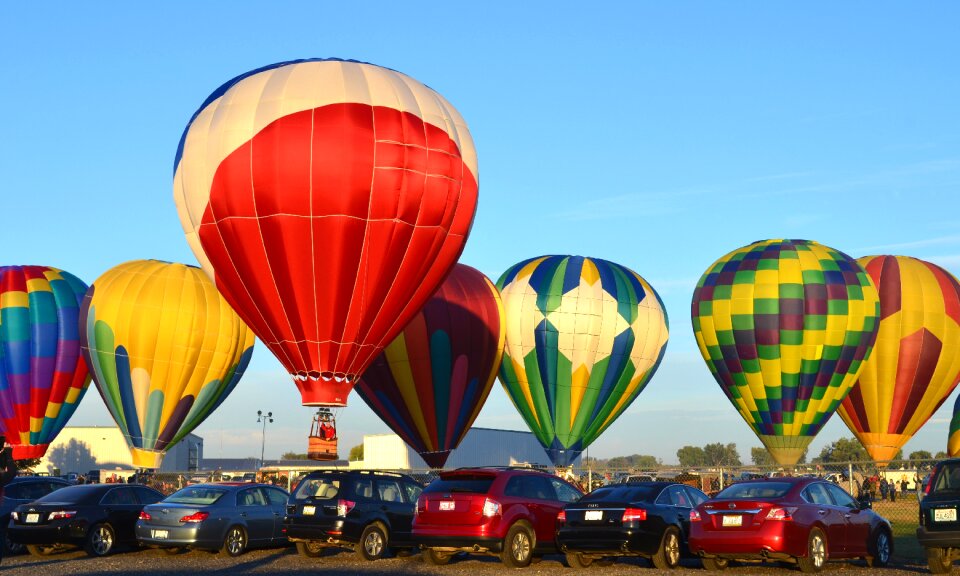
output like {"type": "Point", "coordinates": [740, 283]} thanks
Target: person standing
{"type": "Point", "coordinates": [8, 471]}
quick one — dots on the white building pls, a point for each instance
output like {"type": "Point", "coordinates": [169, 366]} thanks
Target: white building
{"type": "Point", "coordinates": [480, 447]}
{"type": "Point", "coordinates": [84, 448]}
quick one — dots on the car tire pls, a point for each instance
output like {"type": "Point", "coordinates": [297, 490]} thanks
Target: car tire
{"type": "Point", "coordinates": [880, 548]}
{"type": "Point", "coordinates": [100, 540]}
{"type": "Point", "coordinates": [714, 564]}
{"type": "Point", "coordinates": [40, 551]}
{"type": "Point", "coordinates": [667, 556]}
{"type": "Point", "coordinates": [938, 560]}
{"type": "Point", "coordinates": [434, 558]}
{"type": "Point", "coordinates": [518, 546]}
{"type": "Point", "coordinates": [816, 557]}
{"type": "Point", "coordinates": [235, 541]}
{"type": "Point", "coordinates": [311, 549]}
{"type": "Point", "coordinates": [578, 560]}
{"type": "Point", "coordinates": [14, 548]}
{"type": "Point", "coordinates": [373, 542]}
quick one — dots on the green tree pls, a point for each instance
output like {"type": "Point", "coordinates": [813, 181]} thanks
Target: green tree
{"type": "Point", "coordinates": [27, 463]}
{"type": "Point", "coordinates": [356, 453]}
{"type": "Point", "coordinates": [718, 454]}
{"type": "Point", "coordinates": [691, 457]}
{"type": "Point", "coordinates": [761, 457]}
{"type": "Point", "coordinates": [293, 456]}
{"type": "Point", "coordinates": [919, 455]}
{"type": "Point", "coordinates": [940, 455]}
{"type": "Point", "coordinates": [634, 461]}
{"type": "Point", "coordinates": [843, 450]}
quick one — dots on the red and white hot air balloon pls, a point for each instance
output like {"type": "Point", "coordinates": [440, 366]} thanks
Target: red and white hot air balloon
{"type": "Point", "coordinates": [328, 199]}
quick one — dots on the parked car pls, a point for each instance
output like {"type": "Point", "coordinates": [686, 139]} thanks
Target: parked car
{"type": "Point", "coordinates": [507, 511]}
{"type": "Point", "coordinates": [939, 531]}
{"type": "Point", "coordinates": [803, 520]}
{"type": "Point", "coordinates": [229, 516]}
{"type": "Point", "coordinates": [649, 519]}
{"type": "Point", "coordinates": [21, 490]}
{"type": "Point", "coordinates": [96, 517]}
{"type": "Point", "coordinates": [362, 510]}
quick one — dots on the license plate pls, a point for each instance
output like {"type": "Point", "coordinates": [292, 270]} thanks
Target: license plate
{"type": "Point", "coordinates": [945, 515]}
{"type": "Point", "coordinates": [309, 510]}
{"type": "Point", "coordinates": [159, 534]}
{"type": "Point", "coordinates": [732, 520]}
{"type": "Point", "coordinates": [593, 515]}
{"type": "Point", "coordinates": [32, 518]}
{"type": "Point", "coordinates": [448, 505]}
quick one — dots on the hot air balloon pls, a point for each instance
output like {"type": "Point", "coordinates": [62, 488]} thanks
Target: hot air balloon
{"type": "Point", "coordinates": [165, 350]}
{"type": "Point", "coordinates": [584, 336]}
{"type": "Point", "coordinates": [953, 440]}
{"type": "Point", "coordinates": [785, 326]}
{"type": "Point", "coordinates": [42, 377]}
{"type": "Point", "coordinates": [328, 199]}
{"type": "Point", "coordinates": [915, 364]}
{"type": "Point", "coordinates": [430, 383]}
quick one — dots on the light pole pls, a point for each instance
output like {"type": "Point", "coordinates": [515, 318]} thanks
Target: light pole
{"type": "Point", "coordinates": [261, 417]}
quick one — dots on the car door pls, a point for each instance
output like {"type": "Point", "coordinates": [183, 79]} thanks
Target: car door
{"type": "Point", "coordinates": [857, 521]}
{"type": "Point", "coordinates": [254, 509]}
{"type": "Point", "coordinates": [696, 498]}
{"type": "Point", "coordinates": [121, 508]}
{"type": "Point", "coordinates": [399, 513]}
{"type": "Point", "coordinates": [827, 513]}
{"type": "Point", "coordinates": [278, 504]}
{"type": "Point", "coordinates": [544, 505]}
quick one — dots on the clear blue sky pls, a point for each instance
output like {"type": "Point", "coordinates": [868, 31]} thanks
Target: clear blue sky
{"type": "Point", "coordinates": [659, 135]}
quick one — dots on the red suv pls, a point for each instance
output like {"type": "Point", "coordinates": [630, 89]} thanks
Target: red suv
{"type": "Point", "coordinates": [507, 511]}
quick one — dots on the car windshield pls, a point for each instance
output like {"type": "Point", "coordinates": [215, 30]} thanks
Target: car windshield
{"type": "Point", "coordinates": [323, 487]}
{"type": "Point", "coordinates": [752, 490]}
{"type": "Point", "coordinates": [948, 478]}
{"type": "Point", "coordinates": [72, 494]}
{"type": "Point", "coordinates": [470, 484]}
{"type": "Point", "coordinates": [621, 494]}
{"type": "Point", "coordinates": [196, 496]}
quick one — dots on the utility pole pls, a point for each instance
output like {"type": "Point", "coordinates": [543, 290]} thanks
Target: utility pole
{"type": "Point", "coordinates": [264, 418]}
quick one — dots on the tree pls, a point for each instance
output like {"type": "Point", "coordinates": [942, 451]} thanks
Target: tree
{"type": "Point", "coordinates": [940, 455]}
{"type": "Point", "coordinates": [843, 450]}
{"type": "Point", "coordinates": [27, 463]}
{"type": "Point", "coordinates": [718, 454]}
{"type": "Point", "coordinates": [293, 456]}
{"type": "Point", "coordinates": [634, 461]}
{"type": "Point", "coordinates": [919, 455]}
{"type": "Point", "coordinates": [356, 453]}
{"type": "Point", "coordinates": [691, 457]}
{"type": "Point", "coordinates": [761, 457]}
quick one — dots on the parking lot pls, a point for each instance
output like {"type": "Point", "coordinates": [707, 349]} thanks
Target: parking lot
{"type": "Point", "coordinates": [287, 563]}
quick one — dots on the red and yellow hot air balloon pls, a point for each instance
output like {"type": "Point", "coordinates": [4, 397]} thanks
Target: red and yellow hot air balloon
{"type": "Point", "coordinates": [328, 199]}
{"type": "Point", "coordinates": [915, 364]}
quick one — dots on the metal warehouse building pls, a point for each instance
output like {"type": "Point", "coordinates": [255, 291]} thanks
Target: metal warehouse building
{"type": "Point", "coordinates": [84, 448]}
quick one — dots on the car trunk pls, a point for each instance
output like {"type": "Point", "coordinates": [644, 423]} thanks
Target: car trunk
{"type": "Point", "coordinates": [455, 499]}
{"type": "Point", "coordinates": [605, 515]}
{"type": "Point", "coordinates": [169, 514]}
{"type": "Point", "coordinates": [736, 515]}
{"type": "Point", "coordinates": [39, 514]}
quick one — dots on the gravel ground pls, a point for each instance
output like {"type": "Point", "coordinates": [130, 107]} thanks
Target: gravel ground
{"type": "Point", "coordinates": [286, 562]}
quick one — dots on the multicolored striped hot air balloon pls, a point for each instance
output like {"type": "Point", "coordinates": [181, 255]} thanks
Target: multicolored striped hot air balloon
{"type": "Point", "coordinates": [430, 383]}
{"type": "Point", "coordinates": [953, 440]}
{"type": "Point", "coordinates": [165, 350]}
{"type": "Point", "coordinates": [328, 199]}
{"type": "Point", "coordinates": [584, 336]}
{"type": "Point", "coordinates": [42, 377]}
{"type": "Point", "coordinates": [915, 364]}
{"type": "Point", "coordinates": [785, 327]}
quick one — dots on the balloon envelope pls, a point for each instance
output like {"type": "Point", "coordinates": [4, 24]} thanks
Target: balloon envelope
{"type": "Point", "coordinates": [42, 376]}
{"type": "Point", "coordinates": [430, 383]}
{"type": "Point", "coordinates": [915, 364]}
{"type": "Point", "coordinates": [165, 350]}
{"type": "Point", "coordinates": [953, 440]}
{"type": "Point", "coordinates": [583, 338]}
{"type": "Point", "coordinates": [327, 199]}
{"type": "Point", "coordinates": [784, 326]}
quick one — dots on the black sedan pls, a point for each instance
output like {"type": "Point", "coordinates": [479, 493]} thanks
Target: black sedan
{"type": "Point", "coordinates": [21, 490]}
{"type": "Point", "coordinates": [649, 519]}
{"type": "Point", "coordinates": [229, 517]}
{"type": "Point", "coordinates": [94, 516]}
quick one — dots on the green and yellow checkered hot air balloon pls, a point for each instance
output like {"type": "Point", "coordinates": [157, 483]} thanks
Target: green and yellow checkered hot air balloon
{"type": "Point", "coordinates": [785, 327]}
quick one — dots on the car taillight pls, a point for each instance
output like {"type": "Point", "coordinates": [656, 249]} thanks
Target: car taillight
{"type": "Point", "coordinates": [781, 514]}
{"type": "Point", "coordinates": [562, 517]}
{"type": "Point", "coordinates": [491, 508]}
{"type": "Point", "coordinates": [14, 516]}
{"type": "Point", "coordinates": [634, 515]}
{"type": "Point", "coordinates": [144, 515]}
{"type": "Point", "coordinates": [694, 515]}
{"type": "Point", "coordinates": [195, 517]}
{"type": "Point", "coordinates": [62, 514]}
{"type": "Point", "coordinates": [344, 507]}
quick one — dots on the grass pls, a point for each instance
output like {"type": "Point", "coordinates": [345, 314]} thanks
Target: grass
{"type": "Point", "coordinates": [903, 516]}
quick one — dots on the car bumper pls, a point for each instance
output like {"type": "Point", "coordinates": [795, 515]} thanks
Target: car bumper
{"type": "Point", "coordinates": [336, 532]}
{"type": "Point", "coordinates": [938, 538]}
{"type": "Point", "coordinates": [609, 542]}
{"type": "Point", "coordinates": [462, 543]}
{"type": "Point", "coordinates": [60, 533]}
{"type": "Point", "coordinates": [149, 535]}
{"type": "Point", "coordinates": [771, 540]}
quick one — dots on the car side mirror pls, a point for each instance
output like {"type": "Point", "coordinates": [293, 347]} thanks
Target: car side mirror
{"type": "Point", "coordinates": [865, 504]}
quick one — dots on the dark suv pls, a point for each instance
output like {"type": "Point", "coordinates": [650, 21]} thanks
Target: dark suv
{"type": "Point", "coordinates": [364, 510]}
{"type": "Point", "coordinates": [939, 530]}
{"type": "Point", "coordinates": [507, 511]}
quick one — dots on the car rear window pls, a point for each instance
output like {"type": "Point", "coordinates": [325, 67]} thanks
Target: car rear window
{"type": "Point", "coordinates": [751, 490]}
{"type": "Point", "coordinates": [196, 496]}
{"type": "Point", "coordinates": [621, 494]}
{"type": "Point", "coordinates": [73, 494]}
{"type": "Point", "coordinates": [321, 488]}
{"type": "Point", "coordinates": [948, 478]}
{"type": "Point", "coordinates": [471, 484]}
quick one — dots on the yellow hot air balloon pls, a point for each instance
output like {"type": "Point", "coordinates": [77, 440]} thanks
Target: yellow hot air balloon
{"type": "Point", "coordinates": [915, 364]}
{"type": "Point", "coordinates": [164, 348]}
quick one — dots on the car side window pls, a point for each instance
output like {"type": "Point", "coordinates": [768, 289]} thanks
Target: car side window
{"type": "Point", "coordinates": [664, 498]}
{"type": "Point", "coordinates": [565, 492]}
{"type": "Point", "coordinates": [541, 489]}
{"type": "Point", "coordinates": [119, 497]}
{"type": "Point", "coordinates": [696, 497]}
{"type": "Point", "coordinates": [840, 496]}
{"type": "Point", "coordinates": [364, 488]}
{"type": "Point", "coordinates": [412, 491]}
{"type": "Point", "coordinates": [251, 497]}
{"type": "Point", "coordinates": [817, 494]}
{"type": "Point", "coordinates": [389, 490]}
{"type": "Point", "coordinates": [277, 497]}
{"type": "Point", "coordinates": [514, 487]}
{"type": "Point", "coordinates": [678, 497]}
{"type": "Point", "coordinates": [147, 496]}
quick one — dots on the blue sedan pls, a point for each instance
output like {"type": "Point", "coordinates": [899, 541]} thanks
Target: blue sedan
{"type": "Point", "coordinates": [229, 517]}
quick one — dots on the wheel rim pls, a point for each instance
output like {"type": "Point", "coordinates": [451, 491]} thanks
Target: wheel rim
{"type": "Point", "coordinates": [520, 546]}
{"type": "Point", "coordinates": [102, 540]}
{"type": "Point", "coordinates": [235, 541]}
{"type": "Point", "coordinates": [883, 548]}
{"type": "Point", "coordinates": [818, 552]}
{"type": "Point", "coordinates": [374, 543]}
{"type": "Point", "coordinates": [672, 549]}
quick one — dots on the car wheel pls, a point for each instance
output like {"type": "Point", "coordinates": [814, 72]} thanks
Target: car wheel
{"type": "Point", "coordinates": [938, 560]}
{"type": "Point", "coordinates": [667, 556]}
{"type": "Point", "coordinates": [816, 557]}
{"type": "Point", "coordinates": [99, 541]}
{"type": "Point", "coordinates": [578, 560]}
{"type": "Point", "coordinates": [518, 546]}
{"type": "Point", "coordinates": [714, 564]}
{"type": "Point", "coordinates": [434, 558]}
{"type": "Point", "coordinates": [14, 548]}
{"type": "Point", "coordinates": [373, 542]}
{"type": "Point", "coordinates": [235, 542]}
{"type": "Point", "coordinates": [35, 550]}
{"type": "Point", "coordinates": [879, 549]}
{"type": "Point", "coordinates": [310, 549]}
